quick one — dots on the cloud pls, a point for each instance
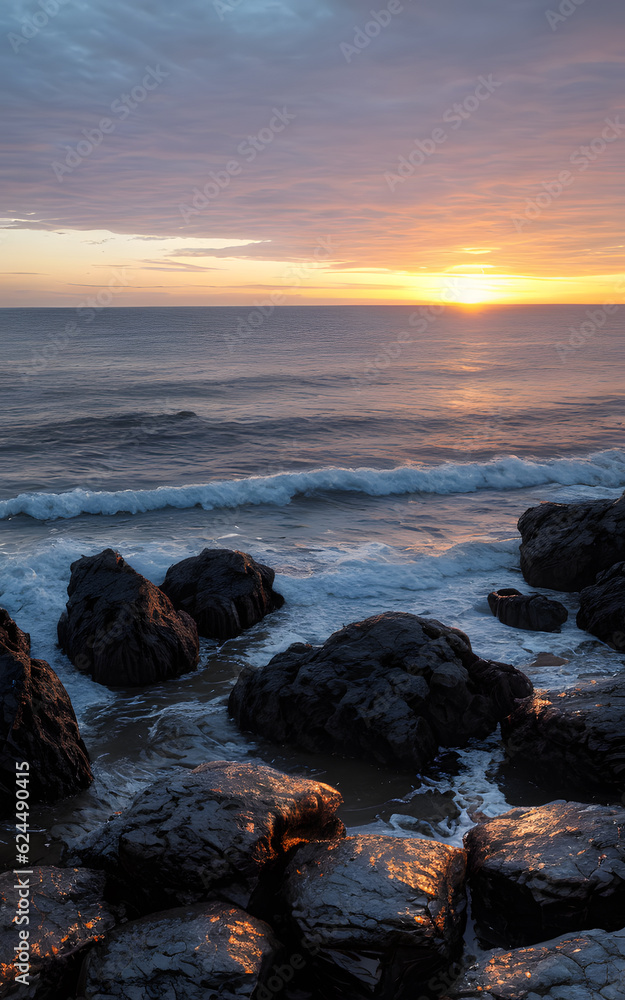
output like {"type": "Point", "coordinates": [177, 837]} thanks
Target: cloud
{"type": "Point", "coordinates": [221, 79]}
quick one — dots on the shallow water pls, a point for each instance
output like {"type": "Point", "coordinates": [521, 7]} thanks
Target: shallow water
{"type": "Point", "coordinates": [369, 482]}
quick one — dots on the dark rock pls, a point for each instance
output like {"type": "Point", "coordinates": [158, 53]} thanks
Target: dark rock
{"type": "Point", "coordinates": [210, 832]}
{"type": "Point", "coordinates": [380, 915]}
{"type": "Point", "coordinates": [602, 607]}
{"type": "Point", "coordinates": [389, 689]}
{"type": "Point", "coordinates": [122, 629]}
{"type": "Point", "coordinates": [590, 966]}
{"type": "Point", "coordinates": [564, 546]}
{"type": "Point", "coordinates": [66, 915]}
{"type": "Point", "coordinates": [548, 660]}
{"type": "Point", "coordinates": [537, 873]}
{"type": "Point", "coordinates": [197, 952]}
{"type": "Point", "coordinates": [532, 612]}
{"type": "Point", "coordinates": [37, 725]}
{"type": "Point", "coordinates": [574, 738]}
{"type": "Point", "coordinates": [224, 591]}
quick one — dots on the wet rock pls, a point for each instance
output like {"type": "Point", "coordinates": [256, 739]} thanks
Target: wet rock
{"type": "Point", "coordinates": [224, 591]}
{"type": "Point", "coordinates": [537, 873]}
{"type": "Point", "coordinates": [210, 832]}
{"type": "Point", "coordinates": [564, 546]}
{"type": "Point", "coordinates": [532, 612]}
{"type": "Point", "coordinates": [66, 915]}
{"type": "Point", "coordinates": [37, 726]}
{"type": "Point", "coordinates": [590, 966]}
{"type": "Point", "coordinates": [548, 660]}
{"type": "Point", "coordinates": [380, 915]}
{"type": "Point", "coordinates": [390, 689]}
{"type": "Point", "coordinates": [122, 629]}
{"type": "Point", "coordinates": [574, 739]}
{"type": "Point", "coordinates": [602, 607]}
{"type": "Point", "coordinates": [188, 953]}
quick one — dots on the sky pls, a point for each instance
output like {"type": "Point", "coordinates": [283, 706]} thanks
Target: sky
{"type": "Point", "coordinates": [226, 152]}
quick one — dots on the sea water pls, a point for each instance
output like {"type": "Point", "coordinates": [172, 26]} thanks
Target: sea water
{"type": "Point", "coordinates": [377, 460]}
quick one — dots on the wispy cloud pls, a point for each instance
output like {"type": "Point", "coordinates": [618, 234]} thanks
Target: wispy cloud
{"type": "Point", "coordinates": [322, 174]}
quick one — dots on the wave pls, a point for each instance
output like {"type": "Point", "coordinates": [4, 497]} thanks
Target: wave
{"type": "Point", "coordinates": [606, 468]}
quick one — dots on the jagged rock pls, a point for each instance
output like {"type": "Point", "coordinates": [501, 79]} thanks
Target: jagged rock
{"type": "Point", "coordinates": [66, 914]}
{"type": "Point", "coordinates": [210, 832]}
{"type": "Point", "coordinates": [224, 591]}
{"type": "Point", "coordinates": [573, 739]}
{"type": "Point", "coordinates": [564, 546]}
{"type": "Point", "coordinates": [602, 607]}
{"type": "Point", "coordinates": [380, 915]}
{"type": "Point", "coordinates": [389, 689]}
{"type": "Point", "coordinates": [537, 873]}
{"type": "Point", "coordinates": [207, 950]}
{"type": "Point", "coordinates": [532, 611]}
{"type": "Point", "coordinates": [590, 966]}
{"type": "Point", "coordinates": [37, 726]}
{"type": "Point", "coordinates": [122, 629]}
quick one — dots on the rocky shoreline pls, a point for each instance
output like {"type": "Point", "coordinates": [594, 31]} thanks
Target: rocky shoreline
{"type": "Point", "coordinates": [236, 880]}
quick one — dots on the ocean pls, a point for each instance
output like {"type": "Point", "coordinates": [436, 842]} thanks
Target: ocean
{"type": "Point", "coordinates": [377, 458]}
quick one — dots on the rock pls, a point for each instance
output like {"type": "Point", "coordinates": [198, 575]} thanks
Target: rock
{"type": "Point", "coordinates": [548, 660]}
{"type": "Point", "coordinates": [122, 629]}
{"type": "Point", "coordinates": [590, 966]}
{"type": "Point", "coordinates": [66, 915]}
{"type": "Point", "coordinates": [188, 953]}
{"type": "Point", "coordinates": [389, 689]}
{"type": "Point", "coordinates": [211, 832]}
{"type": "Point", "coordinates": [224, 591]}
{"type": "Point", "coordinates": [537, 873]}
{"type": "Point", "coordinates": [602, 607]}
{"type": "Point", "coordinates": [380, 915]}
{"type": "Point", "coordinates": [532, 612]}
{"type": "Point", "coordinates": [564, 546]}
{"type": "Point", "coordinates": [37, 726]}
{"type": "Point", "coordinates": [574, 739]}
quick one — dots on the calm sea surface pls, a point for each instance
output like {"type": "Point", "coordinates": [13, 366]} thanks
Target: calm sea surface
{"type": "Point", "coordinates": [377, 458]}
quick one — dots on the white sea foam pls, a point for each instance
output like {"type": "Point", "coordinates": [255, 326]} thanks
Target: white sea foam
{"type": "Point", "coordinates": [605, 469]}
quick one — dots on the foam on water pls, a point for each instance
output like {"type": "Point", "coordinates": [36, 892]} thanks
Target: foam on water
{"type": "Point", "coordinates": [605, 469]}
